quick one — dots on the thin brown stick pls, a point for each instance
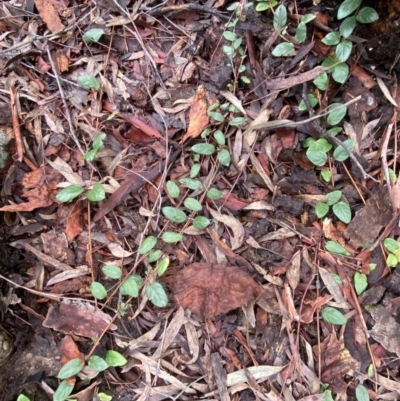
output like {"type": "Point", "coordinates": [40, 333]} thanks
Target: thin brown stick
{"type": "Point", "coordinates": [16, 127]}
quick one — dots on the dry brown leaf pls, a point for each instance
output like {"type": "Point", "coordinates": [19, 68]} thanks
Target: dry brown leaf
{"type": "Point", "coordinates": [80, 318]}
{"type": "Point", "coordinates": [74, 221]}
{"type": "Point", "coordinates": [42, 185]}
{"type": "Point", "coordinates": [69, 350]}
{"type": "Point", "coordinates": [198, 118]}
{"type": "Point", "coordinates": [211, 289]}
{"type": "Point", "coordinates": [234, 224]}
{"type": "Point", "coordinates": [118, 251]}
{"type": "Point", "coordinates": [49, 15]}
{"type": "Point", "coordinates": [293, 271]}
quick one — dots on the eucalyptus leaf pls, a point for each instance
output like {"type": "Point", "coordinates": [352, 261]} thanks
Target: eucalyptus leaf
{"type": "Point", "coordinates": [97, 193]}
{"type": "Point", "coordinates": [367, 15]}
{"type": "Point", "coordinates": [194, 170]}
{"type": "Point", "coordinates": [204, 148]}
{"type": "Point", "coordinates": [343, 50]}
{"type": "Point", "coordinates": [317, 157]}
{"type": "Point", "coordinates": [220, 137]}
{"type": "Point", "coordinates": [347, 26]}
{"type": "Point", "coordinates": [280, 17]}
{"type": "Point", "coordinates": [237, 121]}
{"type": "Point", "coordinates": [301, 33]}
{"type": "Point", "coordinates": [229, 35]}
{"type": "Point", "coordinates": [93, 35]}
{"type": "Point", "coordinates": [340, 73]}
{"type": "Point", "coordinates": [216, 115]}
{"type": "Point", "coordinates": [190, 183]}
{"type": "Point", "coordinates": [97, 363]}
{"type": "Point", "coordinates": [154, 255]}
{"type": "Point", "coordinates": [131, 286]}
{"type": "Point", "coordinates": [362, 393]}
{"type": "Point", "coordinates": [283, 49]}
{"type": "Point", "coordinates": [347, 7]}
{"type": "Point", "coordinates": [321, 209]}
{"type": "Point", "coordinates": [338, 111]}
{"type": "Point", "coordinates": [326, 175]}
{"type": "Point", "coordinates": [214, 193]}
{"type": "Point", "coordinates": [331, 39]}
{"type": "Point", "coordinates": [321, 82]}
{"type": "Point", "coordinates": [312, 99]}
{"type": "Point", "coordinates": [391, 245]}
{"type": "Point", "coordinates": [63, 391]}
{"type": "Point", "coordinates": [332, 197]}
{"type": "Point", "coordinates": [360, 282]}
{"type": "Point", "coordinates": [334, 247]}
{"type": "Point", "coordinates": [340, 154]}
{"type": "Point", "coordinates": [224, 157]}
{"type": "Point", "coordinates": [163, 266]}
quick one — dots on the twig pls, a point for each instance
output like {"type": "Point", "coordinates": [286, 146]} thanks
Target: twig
{"type": "Point", "coordinates": [325, 134]}
{"type": "Point", "coordinates": [16, 127]}
{"type": "Point", "coordinates": [384, 149]}
{"type": "Point", "coordinates": [67, 113]}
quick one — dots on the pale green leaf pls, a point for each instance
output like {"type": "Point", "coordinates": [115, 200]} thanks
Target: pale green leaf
{"type": "Point", "coordinates": [98, 290]}
{"type": "Point", "coordinates": [157, 295]}
{"type": "Point", "coordinates": [332, 315]}
{"type": "Point", "coordinates": [174, 214]}
{"type": "Point", "coordinates": [112, 271]}
{"type": "Point", "coordinates": [147, 245]}
{"type": "Point", "coordinates": [71, 368]}
{"type": "Point", "coordinates": [114, 358]}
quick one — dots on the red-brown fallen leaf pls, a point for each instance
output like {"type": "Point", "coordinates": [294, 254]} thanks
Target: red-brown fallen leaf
{"type": "Point", "coordinates": [198, 118]}
{"type": "Point", "coordinates": [230, 201]}
{"type": "Point", "coordinates": [49, 15]}
{"type": "Point", "coordinates": [363, 77]}
{"type": "Point", "coordinates": [211, 289]}
{"type": "Point", "coordinates": [336, 361]}
{"type": "Point", "coordinates": [78, 318]}
{"type": "Point", "coordinates": [69, 350]}
{"type": "Point", "coordinates": [43, 190]}
{"type": "Point", "coordinates": [74, 221]}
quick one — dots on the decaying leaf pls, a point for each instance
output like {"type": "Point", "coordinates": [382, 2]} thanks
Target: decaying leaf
{"type": "Point", "coordinates": [80, 318]}
{"type": "Point", "coordinates": [49, 15]}
{"type": "Point", "coordinates": [198, 118]}
{"type": "Point", "coordinates": [211, 289]}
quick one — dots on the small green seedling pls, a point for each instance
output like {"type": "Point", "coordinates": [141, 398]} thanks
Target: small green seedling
{"type": "Point", "coordinates": [341, 209]}
{"type": "Point", "coordinates": [393, 248]}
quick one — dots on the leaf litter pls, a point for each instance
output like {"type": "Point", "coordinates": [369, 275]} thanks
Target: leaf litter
{"type": "Point", "coordinates": [243, 292]}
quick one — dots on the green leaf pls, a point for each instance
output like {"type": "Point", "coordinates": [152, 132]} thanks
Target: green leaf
{"type": "Point", "coordinates": [148, 244]}
{"type": "Point", "coordinates": [237, 121]}
{"type": "Point", "coordinates": [347, 7]}
{"type": "Point", "coordinates": [163, 266]}
{"type": "Point", "coordinates": [93, 35]}
{"type": "Point", "coordinates": [190, 183]}
{"type": "Point", "coordinates": [283, 49]}
{"type": "Point", "coordinates": [332, 315]}
{"type": "Point", "coordinates": [71, 368]}
{"type": "Point", "coordinates": [174, 214]}
{"type": "Point", "coordinates": [245, 79]}
{"type": "Point", "coordinates": [342, 211]}
{"type": "Point", "coordinates": [329, 61]}
{"type": "Point", "coordinates": [229, 35]}
{"type": "Point", "coordinates": [328, 396]}
{"type": "Point", "coordinates": [280, 17]}
{"type": "Point", "coordinates": [340, 154]}
{"type": "Point", "coordinates": [307, 18]}
{"type": "Point", "coordinates": [154, 255]}
{"type": "Point", "coordinates": [23, 398]}
{"type": "Point", "coordinates": [241, 69]}
{"type": "Point", "coordinates": [317, 157]}
{"type": "Point", "coordinates": [347, 26]}
{"type": "Point", "coordinates": [157, 295]}
{"type": "Point", "coordinates": [204, 148]}
{"type": "Point", "coordinates": [201, 222]}
{"type": "Point", "coordinates": [194, 170]}
{"type": "Point", "coordinates": [337, 278]}
{"type": "Point", "coordinates": [340, 73]}
{"type": "Point", "coordinates": [97, 363]}
{"type": "Point", "coordinates": [99, 140]}
{"type": "Point", "coordinates": [301, 33]}
{"type": "Point", "coordinates": [97, 193]}
{"type": "Point", "coordinates": [170, 237]}
{"type": "Point", "coordinates": [343, 50]}
{"type": "Point", "coordinates": [69, 193]}
{"type": "Point", "coordinates": [114, 358]}
{"type": "Point", "coordinates": [90, 155]}
{"type": "Point", "coordinates": [335, 117]}
{"type": "Point", "coordinates": [216, 115]}
{"type": "Point", "coordinates": [321, 144]}
{"type": "Point", "coordinates": [371, 370]}
{"type": "Point", "coordinates": [392, 175]}
{"type": "Point", "coordinates": [205, 132]}
{"type": "Point", "coordinates": [334, 131]}
{"type": "Point", "coordinates": [326, 175]}
{"type": "Point", "coordinates": [220, 137]}
{"type": "Point", "coordinates": [214, 193]}
{"type": "Point", "coordinates": [112, 271]}
{"type": "Point", "coordinates": [360, 282]}
{"type": "Point", "coordinates": [334, 247]}
{"type": "Point", "coordinates": [131, 286]}
{"type": "Point", "coordinates": [367, 15]}
{"type": "Point", "coordinates": [104, 397]}
{"type": "Point", "coordinates": [308, 142]}
{"type": "Point", "coordinates": [172, 189]}
{"type": "Point", "coordinates": [63, 391]}
{"type": "Point", "coordinates": [237, 43]}
{"type": "Point", "coordinates": [264, 5]}
{"type": "Point", "coordinates": [331, 39]}
{"type": "Point", "coordinates": [362, 393]}
{"type": "Point", "coordinates": [192, 204]}
{"type": "Point", "coordinates": [313, 101]}
{"type": "Point", "coordinates": [372, 266]}
{"type": "Point", "coordinates": [89, 82]}
{"type": "Point", "coordinates": [391, 245]}
{"type": "Point", "coordinates": [333, 197]}
{"type": "Point", "coordinates": [391, 260]}
{"type": "Point", "coordinates": [98, 290]}
{"type": "Point", "coordinates": [321, 209]}
{"type": "Point", "coordinates": [321, 82]}
{"type": "Point", "coordinates": [224, 157]}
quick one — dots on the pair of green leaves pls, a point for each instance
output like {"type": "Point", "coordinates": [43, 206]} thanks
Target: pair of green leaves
{"type": "Point", "coordinates": [393, 247]}
{"type": "Point", "coordinates": [67, 194]}
{"type": "Point", "coordinates": [341, 209]}
{"type": "Point", "coordinates": [96, 146]}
